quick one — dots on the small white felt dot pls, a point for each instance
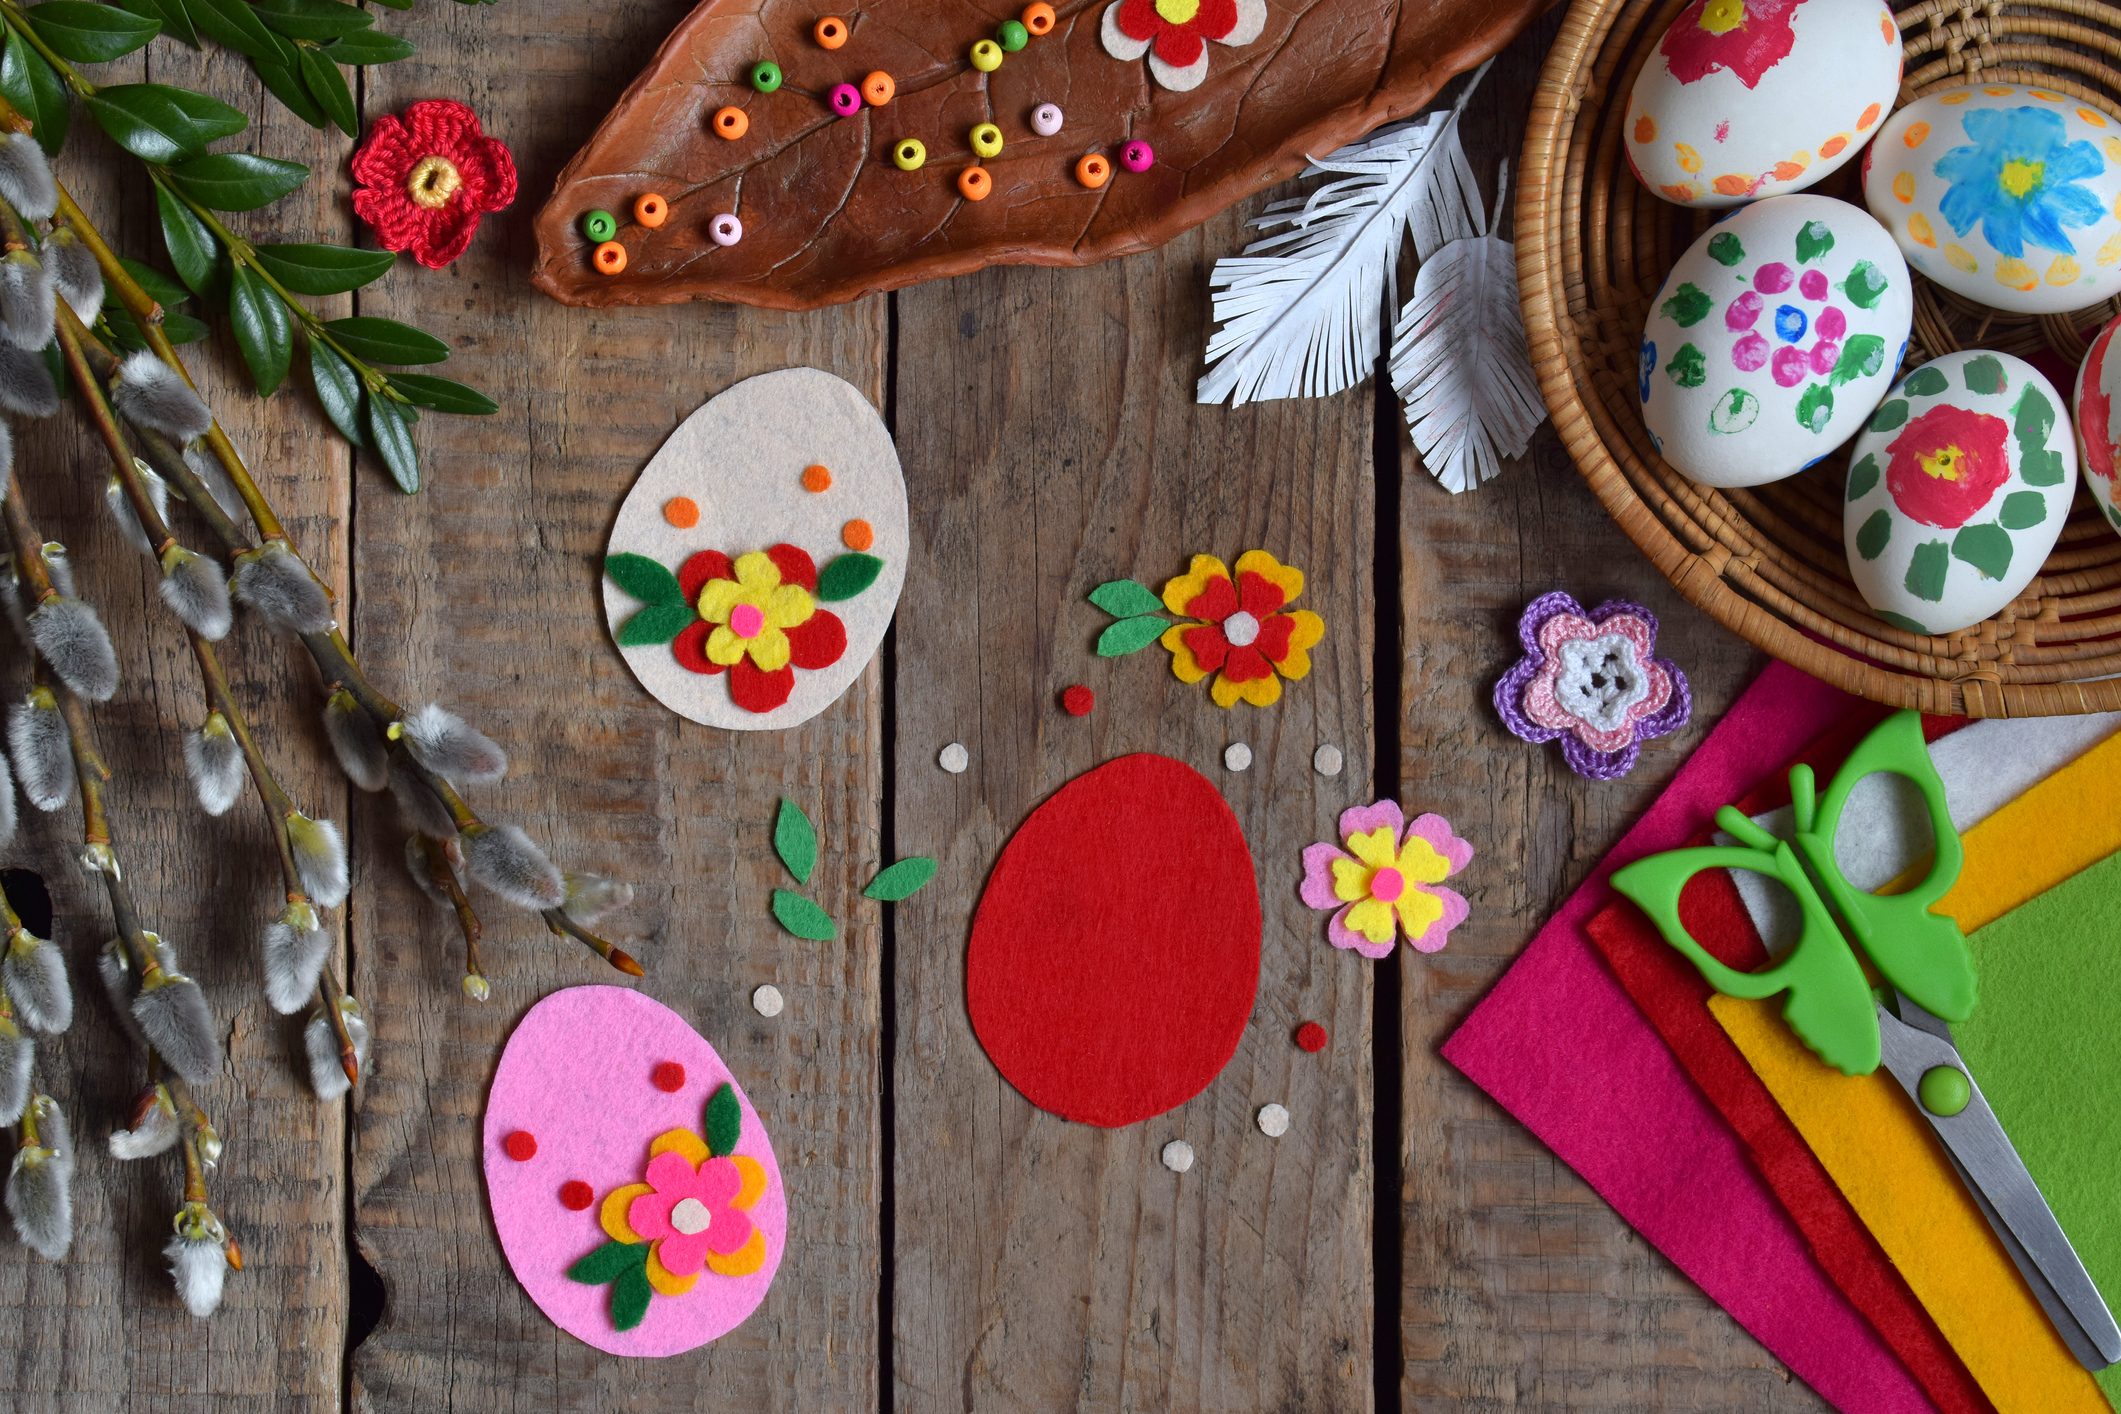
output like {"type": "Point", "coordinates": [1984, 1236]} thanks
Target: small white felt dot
{"type": "Point", "coordinates": [954, 758]}
{"type": "Point", "coordinates": [1273, 1121]}
{"type": "Point", "coordinates": [1326, 760]}
{"type": "Point", "coordinates": [1237, 756]}
{"type": "Point", "coordinates": [767, 1000]}
{"type": "Point", "coordinates": [1178, 1156]}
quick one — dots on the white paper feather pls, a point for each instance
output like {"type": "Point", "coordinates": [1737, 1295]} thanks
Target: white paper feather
{"type": "Point", "coordinates": [1461, 363]}
{"type": "Point", "coordinates": [1302, 310]}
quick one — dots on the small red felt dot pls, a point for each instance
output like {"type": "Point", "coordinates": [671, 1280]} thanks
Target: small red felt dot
{"type": "Point", "coordinates": [576, 1195]}
{"type": "Point", "coordinates": [1078, 700]}
{"type": "Point", "coordinates": [668, 1076]}
{"type": "Point", "coordinates": [520, 1145]}
{"type": "Point", "coordinates": [1311, 1037]}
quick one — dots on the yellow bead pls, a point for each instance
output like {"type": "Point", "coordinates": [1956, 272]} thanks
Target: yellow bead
{"type": "Point", "coordinates": [986, 56]}
{"type": "Point", "coordinates": [910, 154]}
{"type": "Point", "coordinates": [987, 140]}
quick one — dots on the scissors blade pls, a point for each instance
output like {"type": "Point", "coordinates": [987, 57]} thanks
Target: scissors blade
{"type": "Point", "coordinates": [1983, 1153]}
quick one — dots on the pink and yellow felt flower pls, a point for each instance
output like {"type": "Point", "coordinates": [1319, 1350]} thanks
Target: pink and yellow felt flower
{"type": "Point", "coordinates": [690, 1212]}
{"type": "Point", "coordinates": [1385, 879]}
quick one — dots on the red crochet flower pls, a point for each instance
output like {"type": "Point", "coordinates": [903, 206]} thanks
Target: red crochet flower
{"type": "Point", "coordinates": [426, 177]}
{"type": "Point", "coordinates": [1748, 37]}
{"type": "Point", "coordinates": [1948, 464]}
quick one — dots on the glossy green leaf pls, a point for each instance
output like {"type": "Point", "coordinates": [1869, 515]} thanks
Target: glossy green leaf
{"type": "Point", "coordinates": [338, 390]}
{"type": "Point", "coordinates": [847, 575]}
{"type": "Point", "coordinates": [901, 880]}
{"type": "Point", "coordinates": [285, 84]}
{"type": "Point", "coordinates": [323, 269]}
{"type": "Point", "coordinates": [444, 395]}
{"type": "Point", "coordinates": [315, 20]}
{"type": "Point", "coordinates": [126, 334]}
{"type": "Point", "coordinates": [606, 1262]}
{"type": "Point", "coordinates": [1123, 599]}
{"type": "Point", "coordinates": [1130, 635]}
{"type": "Point", "coordinates": [795, 841]}
{"type": "Point", "coordinates": [237, 181]}
{"type": "Point", "coordinates": [658, 623]}
{"type": "Point", "coordinates": [33, 88]}
{"type": "Point", "coordinates": [386, 340]}
{"type": "Point", "coordinates": [158, 123]}
{"type": "Point", "coordinates": [802, 917]}
{"type": "Point", "coordinates": [160, 288]}
{"type": "Point", "coordinates": [369, 47]}
{"type": "Point", "coordinates": [328, 86]}
{"type": "Point", "coordinates": [193, 251]}
{"type": "Point", "coordinates": [170, 14]}
{"type": "Point", "coordinates": [264, 333]}
{"type": "Point", "coordinates": [87, 33]}
{"type": "Point", "coordinates": [392, 439]}
{"type": "Point", "coordinates": [645, 579]}
{"type": "Point", "coordinates": [630, 1295]}
{"type": "Point", "coordinates": [233, 24]}
{"type": "Point", "coordinates": [723, 1122]}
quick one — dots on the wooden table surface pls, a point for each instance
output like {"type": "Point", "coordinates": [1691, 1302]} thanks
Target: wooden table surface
{"type": "Point", "coordinates": [1405, 1244]}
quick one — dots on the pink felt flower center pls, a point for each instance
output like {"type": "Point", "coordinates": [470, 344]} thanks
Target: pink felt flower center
{"type": "Point", "coordinates": [690, 1216]}
{"type": "Point", "coordinates": [1242, 629]}
{"type": "Point", "coordinates": [1386, 885]}
{"type": "Point", "coordinates": [745, 620]}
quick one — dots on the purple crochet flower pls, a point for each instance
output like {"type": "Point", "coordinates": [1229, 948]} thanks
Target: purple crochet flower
{"type": "Point", "coordinates": [1592, 680]}
{"type": "Point", "coordinates": [1385, 878]}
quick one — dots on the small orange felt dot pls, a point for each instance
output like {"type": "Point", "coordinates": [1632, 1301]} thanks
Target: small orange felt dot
{"type": "Point", "coordinates": [878, 88]}
{"type": "Point", "coordinates": [650, 210]}
{"type": "Point", "coordinates": [973, 184]}
{"type": "Point", "coordinates": [731, 123]}
{"type": "Point", "coordinates": [1039, 18]}
{"type": "Point", "coordinates": [682, 512]}
{"type": "Point", "coordinates": [1078, 700]}
{"type": "Point", "coordinates": [520, 1145]}
{"type": "Point", "coordinates": [610, 258]}
{"type": "Point", "coordinates": [857, 535]}
{"type": "Point", "coordinates": [1093, 171]}
{"type": "Point", "coordinates": [817, 478]}
{"type": "Point", "coordinates": [831, 32]}
{"type": "Point", "coordinates": [668, 1076]}
{"type": "Point", "coordinates": [576, 1195]}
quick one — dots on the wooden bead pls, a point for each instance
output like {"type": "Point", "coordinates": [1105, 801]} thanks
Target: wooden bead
{"type": "Point", "coordinates": [846, 99]}
{"type": "Point", "coordinates": [909, 154]}
{"type": "Point", "coordinates": [731, 123]}
{"type": "Point", "coordinates": [725, 229]}
{"type": "Point", "coordinates": [765, 76]}
{"type": "Point", "coordinates": [986, 140]}
{"type": "Point", "coordinates": [1011, 35]}
{"type": "Point", "coordinates": [599, 225]}
{"type": "Point", "coordinates": [973, 184]}
{"type": "Point", "coordinates": [830, 32]}
{"type": "Point", "coordinates": [610, 258]}
{"type": "Point", "coordinates": [986, 56]}
{"type": "Point", "coordinates": [1039, 18]}
{"type": "Point", "coordinates": [650, 210]}
{"type": "Point", "coordinates": [878, 88]}
{"type": "Point", "coordinates": [1046, 119]}
{"type": "Point", "coordinates": [1093, 171]}
{"type": "Point", "coordinates": [1137, 156]}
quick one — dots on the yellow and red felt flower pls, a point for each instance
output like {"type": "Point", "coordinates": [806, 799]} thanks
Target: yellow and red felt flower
{"type": "Point", "coordinates": [424, 178]}
{"type": "Point", "coordinates": [759, 620]}
{"type": "Point", "coordinates": [1244, 632]}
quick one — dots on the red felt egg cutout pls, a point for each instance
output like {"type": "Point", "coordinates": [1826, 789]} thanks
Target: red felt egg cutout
{"type": "Point", "coordinates": [1115, 953]}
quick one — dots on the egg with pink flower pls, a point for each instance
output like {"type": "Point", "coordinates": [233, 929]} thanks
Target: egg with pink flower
{"type": "Point", "coordinates": [2098, 428]}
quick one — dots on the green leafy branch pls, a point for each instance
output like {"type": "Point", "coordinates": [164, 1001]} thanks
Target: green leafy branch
{"type": "Point", "coordinates": [795, 841]}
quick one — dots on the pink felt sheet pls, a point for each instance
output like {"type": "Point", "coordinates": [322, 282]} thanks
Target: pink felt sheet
{"type": "Point", "coordinates": [1559, 1044]}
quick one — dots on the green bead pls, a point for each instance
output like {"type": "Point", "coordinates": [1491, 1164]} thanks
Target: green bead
{"type": "Point", "coordinates": [599, 226]}
{"type": "Point", "coordinates": [765, 76]}
{"type": "Point", "coordinates": [1944, 1090]}
{"type": "Point", "coordinates": [986, 56]}
{"type": "Point", "coordinates": [1012, 35]}
{"type": "Point", "coordinates": [910, 154]}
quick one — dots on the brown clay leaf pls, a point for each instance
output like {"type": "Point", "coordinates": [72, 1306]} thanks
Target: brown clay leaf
{"type": "Point", "coordinates": [828, 217]}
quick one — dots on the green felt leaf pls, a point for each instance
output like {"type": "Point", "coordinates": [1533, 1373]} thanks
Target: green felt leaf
{"type": "Point", "coordinates": [1815, 239]}
{"type": "Point", "coordinates": [1926, 571]}
{"type": "Point", "coordinates": [1862, 356]}
{"type": "Point", "coordinates": [1126, 636]}
{"type": "Point", "coordinates": [264, 333]}
{"type": "Point", "coordinates": [1726, 249]}
{"type": "Point", "coordinates": [338, 390]}
{"type": "Point", "coordinates": [802, 917]}
{"type": "Point", "coordinates": [1926, 382]}
{"type": "Point", "coordinates": [1986, 547]}
{"type": "Point", "coordinates": [87, 33]}
{"type": "Point", "coordinates": [607, 1262]}
{"type": "Point", "coordinates": [2022, 510]}
{"type": "Point", "coordinates": [847, 575]}
{"type": "Point", "coordinates": [902, 880]}
{"type": "Point", "coordinates": [233, 24]}
{"type": "Point", "coordinates": [1123, 599]}
{"type": "Point", "coordinates": [316, 20]}
{"type": "Point", "coordinates": [795, 841]}
{"type": "Point", "coordinates": [1876, 534]}
{"type": "Point", "coordinates": [1862, 477]}
{"type": "Point", "coordinates": [1688, 306]}
{"type": "Point", "coordinates": [444, 395]}
{"type": "Point", "coordinates": [284, 82]}
{"type": "Point", "coordinates": [328, 86]}
{"type": "Point", "coordinates": [369, 47]}
{"type": "Point", "coordinates": [645, 579]}
{"type": "Point", "coordinates": [1890, 416]}
{"type": "Point", "coordinates": [658, 623]}
{"type": "Point", "coordinates": [158, 123]}
{"type": "Point", "coordinates": [1984, 375]}
{"type": "Point", "coordinates": [386, 340]}
{"type": "Point", "coordinates": [723, 1122]}
{"type": "Point", "coordinates": [34, 89]}
{"type": "Point", "coordinates": [1865, 286]}
{"type": "Point", "coordinates": [323, 269]}
{"type": "Point", "coordinates": [2032, 421]}
{"type": "Point", "coordinates": [391, 436]}
{"type": "Point", "coordinates": [170, 14]}
{"type": "Point", "coordinates": [630, 1295]}
{"type": "Point", "coordinates": [237, 181]}
{"type": "Point", "coordinates": [193, 251]}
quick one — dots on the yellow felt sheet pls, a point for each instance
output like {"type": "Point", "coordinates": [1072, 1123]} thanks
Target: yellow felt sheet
{"type": "Point", "coordinates": [1867, 1134]}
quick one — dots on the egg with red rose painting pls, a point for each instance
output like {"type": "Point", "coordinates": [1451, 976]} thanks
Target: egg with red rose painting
{"type": "Point", "coordinates": [1957, 491]}
{"type": "Point", "coordinates": [2098, 426]}
{"type": "Point", "coordinates": [1743, 99]}
{"type": "Point", "coordinates": [1115, 952]}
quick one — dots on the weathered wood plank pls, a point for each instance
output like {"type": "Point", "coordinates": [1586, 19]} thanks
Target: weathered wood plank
{"type": "Point", "coordinates": [481, 593]}
{"type": "Point", "coordinates": [1052, 443]}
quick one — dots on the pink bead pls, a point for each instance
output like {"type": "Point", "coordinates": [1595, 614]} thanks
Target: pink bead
{"type": "Point", "coordinates": [1046, 119]}
{"type": "Point", "coordinates": [726, 229]}
{"type": "Point", "coordinates": [846, 99]}
{"type": "Point", "coordinates": [1137, 157]}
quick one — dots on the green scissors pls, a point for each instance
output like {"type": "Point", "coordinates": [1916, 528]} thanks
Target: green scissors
{"type": "Point", "coordinates": [1905, 1025]}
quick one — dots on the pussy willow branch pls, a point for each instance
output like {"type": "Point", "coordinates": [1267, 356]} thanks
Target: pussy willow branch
{"type": "Point", "coordinates": [442, 873]}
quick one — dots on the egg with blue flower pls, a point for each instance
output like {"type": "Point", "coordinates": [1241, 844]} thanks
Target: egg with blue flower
{"type": "Point", "coordinates": [2008, 194]}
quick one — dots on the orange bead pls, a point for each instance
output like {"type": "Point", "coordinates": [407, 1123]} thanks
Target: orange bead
{"type": "Point", "coordinates": [731, 123]}
{"type": "Point", "coordinates": [682, 512]}
{"type": "Point", "coordinates": [831, 32]}
{"type": "Point", "coordinates": [1093, 171]}
{"type": "Point", "coordinates": [857, 535]}
{"type": "Point", "coordinates": [610, 258]}
{"type": "Point", "coordinates": [878, 88]}
{"type": "Point", "coordinates": [817, 478]}
{"type": "Point", "coordinates": [973, 184]}
{"type": "Point", "coordinates": [650, 210]}
{"type": "Point", "coordinates": [1039, 18]}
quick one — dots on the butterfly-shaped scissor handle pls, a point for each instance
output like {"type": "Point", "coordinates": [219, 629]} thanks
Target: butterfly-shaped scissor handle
{"type": "Point", "coordinates": [1830, 1005]}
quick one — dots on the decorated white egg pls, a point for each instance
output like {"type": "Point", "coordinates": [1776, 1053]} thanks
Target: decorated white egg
{"type": "Point", "coordinates": [2098, 429]}
{"type": "Point", "coordinates": [2005, 193]}
{"type": "Point", "coordinates": [1750, 98]}
{"type": "Point", "coordinates": [1957, 491]}
{"type": "Point", "coordinates": [1773, 338]}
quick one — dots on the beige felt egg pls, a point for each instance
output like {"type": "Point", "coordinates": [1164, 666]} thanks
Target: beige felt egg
{"type": "Point", "coordinates": [2098, 428]}
{"type": "Point", "coordinates": [1775, 335]}
{"type": "Point", "coordinates": [1744, 99]}
{"type": "Point", "coordinates": [2007, 194]}
{"type": "Point", "coordinates": [1957, 491]}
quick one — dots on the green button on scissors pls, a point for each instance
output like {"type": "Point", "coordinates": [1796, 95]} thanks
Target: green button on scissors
{"type": "Point", "coordinates": [1928, 983]}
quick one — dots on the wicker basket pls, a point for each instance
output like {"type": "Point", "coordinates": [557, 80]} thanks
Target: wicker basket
{"type": "Point", "coordinates": [1593, 249]}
